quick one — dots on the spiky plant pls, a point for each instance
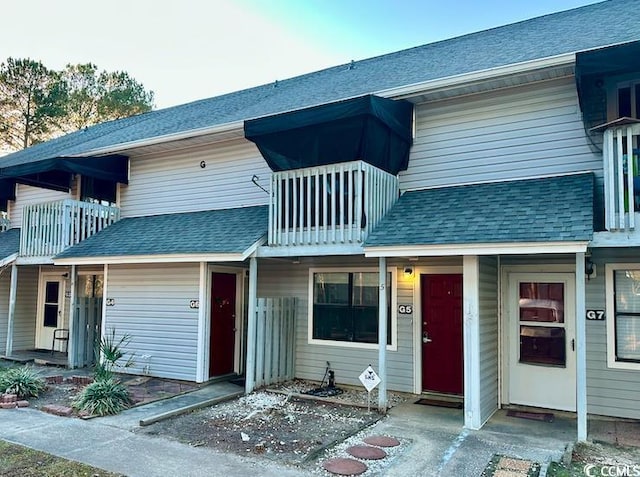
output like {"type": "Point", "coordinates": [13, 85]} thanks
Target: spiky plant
{"type": "Point", "coordinates": [110, 355]}
{"type": "Point", "coordinates": [104, 397]}
{"type": "Point", "coordinates": [23, 381]}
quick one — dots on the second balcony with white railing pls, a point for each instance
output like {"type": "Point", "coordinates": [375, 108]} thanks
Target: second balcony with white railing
{"type": "Point", "coordinates": [334, 204]}
{"type": "Point", "coordinates": [5, 224]}
{"type": "Point", "coordinates": [621, 156]}
{"type": "Point", "coordinates": [49, 228]}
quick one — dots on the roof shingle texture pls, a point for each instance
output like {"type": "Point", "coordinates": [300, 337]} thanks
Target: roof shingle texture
{"type": "Point", "coordinates": [210, 231]}
{"type": "Point", "coordinates": [9, 243]}
{"type": "Point", "coordinates": [556, 209]}
{"type": "Point", "coordinates": [592, 26]}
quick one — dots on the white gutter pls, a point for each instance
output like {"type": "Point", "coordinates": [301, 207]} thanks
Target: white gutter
{"type": "Point", "coordinates": [402, 91]}
{"type": "Point", "coordinates": [566, 59]}
{"type": "Point", "coordinates": [191, 133]}
{"type": "Point", "coordinates": [8, 260]}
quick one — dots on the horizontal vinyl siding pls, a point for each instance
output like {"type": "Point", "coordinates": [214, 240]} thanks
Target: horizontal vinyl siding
{"type": "Point", "coordinates": [521, 132]}
{"type": "Point", "coordinates": [27, 195]}
{"type": "Point", "coordinates": [176, 182]}
{"type": "Point", "coordinates": [488, 296]}
{"type": "Point", "coordinates": [610, 392]}
{"type": "Point", "coordinates": [280, 279]}
{"type": "Point", "coordinates": [152, 306]}
{"type": "Point", "coordinates": [24, 325]}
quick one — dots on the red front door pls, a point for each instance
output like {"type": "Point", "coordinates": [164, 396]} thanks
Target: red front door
{"type": "Point", "coordinates": [223, 323]}
{"type": "Point", "coordinates": [442, 333]}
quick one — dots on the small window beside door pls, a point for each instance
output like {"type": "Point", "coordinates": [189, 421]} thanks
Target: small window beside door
{"type": "Point", "coordinates": [541, 316]}
{"type": "Point", "coordinates": [623, 316]}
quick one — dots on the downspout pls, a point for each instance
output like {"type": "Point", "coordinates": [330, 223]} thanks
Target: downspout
{"type": "Point", "coordinates": [250, 376]}
{"type": "Point", "coordinates": [382, 335]}
{"type": "Point", "coordinates": [74, 336]}
{"type": "Point", "coordinates": [12, 308]}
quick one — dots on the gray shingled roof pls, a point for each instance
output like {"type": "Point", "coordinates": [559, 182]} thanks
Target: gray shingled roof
{"type": "Point", "coordinates": [592, 26]}
{"type": "Point", "coordinates": [556, 209]}
{"type": "Point", "coordinates": [9, 243]}
{"type": "Point", "coordinates": [207, 232]}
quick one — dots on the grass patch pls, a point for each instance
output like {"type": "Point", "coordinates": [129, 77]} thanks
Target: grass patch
{"type": "Point", "coordinates": [19, 461]}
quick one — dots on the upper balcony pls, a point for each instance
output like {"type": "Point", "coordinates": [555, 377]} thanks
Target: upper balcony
{"type": "Point", "coordinates": [334, 204]}
{"type": "Point", "coordinates": [621, 155]}
{"type": "Point", "coordinates": [5, 224]}
{"type": "Point", "coordinates": [49, 228]}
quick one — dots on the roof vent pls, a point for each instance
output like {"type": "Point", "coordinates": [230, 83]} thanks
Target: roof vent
{"type": "Point", "coordinates": [275, 84]}
{"type": "Point", "coordinates": [352, 65]}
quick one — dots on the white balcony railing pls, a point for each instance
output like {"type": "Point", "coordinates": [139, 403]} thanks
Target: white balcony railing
{"type": "Point", "coordinates": [328, 205]}
{"type": "Point", "coordinates": [621, 155]}
{"type": "Point", "coordinates": [5, 224]}
{"type": "Point", "coordinates": [50, 228]}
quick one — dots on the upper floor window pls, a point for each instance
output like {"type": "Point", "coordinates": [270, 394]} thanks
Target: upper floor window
{"type": "Point", "coordinates": [629, 99]}
{"type": "Point", "coordinates": [98, 191]}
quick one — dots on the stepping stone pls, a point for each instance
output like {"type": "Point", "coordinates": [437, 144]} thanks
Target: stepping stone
{"type": "Point", "coordinates": [382, 441]}
{"type": "Point", "coordinates": [342, 466]}
{"type": "Point", "coordinates": [57, 410]}
{"type": "Point", "coordinates": [366, 452]}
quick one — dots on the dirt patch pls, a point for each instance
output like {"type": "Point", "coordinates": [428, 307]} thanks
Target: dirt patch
{"type": "Point", "coordinates": [605, 454]}
{"type": "Point", "coordinates": [281, 427]}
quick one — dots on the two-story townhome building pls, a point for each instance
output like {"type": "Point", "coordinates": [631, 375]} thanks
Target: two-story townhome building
{"type": "Point", "coordinates": [471, 203]}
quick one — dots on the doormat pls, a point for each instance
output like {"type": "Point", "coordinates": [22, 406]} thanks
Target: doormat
{"type": "Point", "coordinates": [510, 466]}
{"type": "Point", "coordinates": [438, 403]}
{"type": "Point", "coordinates": [534, 416]}
{"type": "Point", "coordinates": [237, 381]}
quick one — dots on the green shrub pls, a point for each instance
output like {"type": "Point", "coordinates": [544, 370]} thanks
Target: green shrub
{"type": "Point", "coordinates": [23, 381]}
{"type": "Point", "coordinates": [103, 397]}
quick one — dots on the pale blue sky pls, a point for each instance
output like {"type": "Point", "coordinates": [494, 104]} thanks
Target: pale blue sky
{"type": "Point", "coordinates": [192, 49]}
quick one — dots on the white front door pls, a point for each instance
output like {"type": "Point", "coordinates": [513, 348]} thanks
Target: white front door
{"type": "Point", "coordinates": [50, 310]}
{"type": "Point", "coordinates": [542, 363]}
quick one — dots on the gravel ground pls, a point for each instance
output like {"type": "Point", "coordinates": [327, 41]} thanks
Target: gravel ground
{"type": "Point", "coordinates": [281, 425]}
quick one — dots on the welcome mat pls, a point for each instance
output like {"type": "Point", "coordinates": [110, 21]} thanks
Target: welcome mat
{"type": "Point", "coordinates": [505, 466]}
{"type": "Point", "coordinates": [534, 416]}
{"type": "Point", "coordinates": [439, 403]}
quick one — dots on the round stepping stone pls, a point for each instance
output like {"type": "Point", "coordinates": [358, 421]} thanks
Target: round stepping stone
{"type": "Point", "coordinates": [342, 466]}
{"type": "Point", "coordinates": [382, 441]}
{"type": "Point", "coordinates": [366, 452]}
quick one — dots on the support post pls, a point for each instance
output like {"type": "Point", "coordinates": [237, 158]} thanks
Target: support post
{"type": "Point", "coordinates": [471, 340]}
{"type": "Point", "coordinates": [12, 308]}
{"type": "Point", "coordinates": [382, 335]}
{"type": "Point", "coordinates": [74, 336]}
{"type": "Point", "coordinates": [250, 375]}
{"type": "Point", "coordinates": [581, 349]}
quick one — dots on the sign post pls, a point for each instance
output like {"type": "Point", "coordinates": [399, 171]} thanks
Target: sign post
{"type": "Point", "coordinates": [369, 380]}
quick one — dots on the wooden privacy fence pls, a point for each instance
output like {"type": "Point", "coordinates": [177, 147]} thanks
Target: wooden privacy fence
{"type": "Point", "coordinates": [86, 330]}
{"type": "Point", "coordinates": [275, 340]}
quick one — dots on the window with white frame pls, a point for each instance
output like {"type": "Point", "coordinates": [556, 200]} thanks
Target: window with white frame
{"type": "Point", "coordinates": [344, 307]}
{"type": "Point", "coordinates": [623, 316]}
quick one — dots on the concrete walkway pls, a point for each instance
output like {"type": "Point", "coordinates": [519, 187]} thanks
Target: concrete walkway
{"type": "Point", "coordinates": [119, 450]}
{"type": "Point", "coordinates": [436, 443]}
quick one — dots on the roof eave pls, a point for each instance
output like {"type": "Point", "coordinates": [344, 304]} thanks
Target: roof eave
{"type": "Point", "coordinates": [448, 250]}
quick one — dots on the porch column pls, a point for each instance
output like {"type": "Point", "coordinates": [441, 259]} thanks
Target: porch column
{"type": "Point", "coordinates": [72, 343]}
{"type": "Point", "coordinates": [250, 374]}
{"type": "Point", "coordinates": [201, 372]}
{"type": "Point", "coordinates": [471, 339]}
{"type": "Point", "coordinates": [12, 308]}
{"type": "Point", "coordinates": [581, 349]}
{"type": "Point", "coordinates": [382, 335]}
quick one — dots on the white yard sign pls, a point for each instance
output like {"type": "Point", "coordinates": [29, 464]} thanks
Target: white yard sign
{"type": "Point", "coordinates": [369, 379]}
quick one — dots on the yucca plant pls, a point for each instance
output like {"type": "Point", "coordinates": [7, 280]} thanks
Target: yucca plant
{"type": "Point", "coordinates": [104, 397]}
{"type": "Point", "coordinates": [23, 381]}
{"type": "Point", "coordinates": [110, 354]}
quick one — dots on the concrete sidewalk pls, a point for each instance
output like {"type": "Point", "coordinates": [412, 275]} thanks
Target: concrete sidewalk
{"type": "Point", "coordinates": [437, 444]}
{"type": "Point", "coordinates": [119, 450]}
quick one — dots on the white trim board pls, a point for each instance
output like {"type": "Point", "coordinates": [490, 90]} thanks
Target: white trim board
{"type": "Point", "coordinates": [476, 249]}
{"type": "Point", "coordinates": [128, 259]}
